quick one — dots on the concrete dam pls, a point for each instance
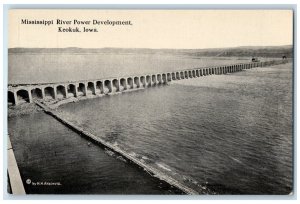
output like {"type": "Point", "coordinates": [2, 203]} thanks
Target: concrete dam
{"type": "Point", "coordinates": [39, 93]}
{"type": "Point", "coordinates": [28, 93]}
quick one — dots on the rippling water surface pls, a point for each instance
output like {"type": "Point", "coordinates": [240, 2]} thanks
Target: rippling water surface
{"type": "Point", "coordinates": [230, 133]}
{"type": "Point", "coordinates": [47, 151]}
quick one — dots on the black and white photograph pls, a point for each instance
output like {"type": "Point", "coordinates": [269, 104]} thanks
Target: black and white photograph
{"type": "Point", "coordinates": [150, 102]}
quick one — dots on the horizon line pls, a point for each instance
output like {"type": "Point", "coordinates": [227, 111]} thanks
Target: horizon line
{"type": "Point", "coordinates": [284, 45]}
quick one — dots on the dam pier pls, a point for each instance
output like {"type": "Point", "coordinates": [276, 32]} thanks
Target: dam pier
{"type": "Point", "coordinates": [28, 93]}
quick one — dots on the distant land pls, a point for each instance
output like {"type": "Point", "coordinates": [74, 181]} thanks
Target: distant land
{"type": "Point", "coordinates": [244, 51]}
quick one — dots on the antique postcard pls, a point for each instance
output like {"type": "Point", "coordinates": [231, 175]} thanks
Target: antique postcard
{"type": "Point", "coordinates": [153, 102]}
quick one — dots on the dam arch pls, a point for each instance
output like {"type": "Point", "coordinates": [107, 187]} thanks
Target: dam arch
{"type": "Point", "coordinates": [99, 87]}
{"type": "Point", "coordinates": [186, 75]}
{"type": "Point", "coordinates": [11, 98]}
{"type": "Point", "coordinates": [49, 92]}
{"type": "Point", "coordinates": [173, 76]}
{"type": "Point", "coordinates": [107, 87]}
{"type": "Point", "coordinates": [60, 92]}
{"type": "Point", "coordinates": [143, 81]}
{"type": "Point", "coordinates": [23, 96]}
{"type": "Point", "coordinates": [37, 93]}
{"type": "Point", "coordinates": [91, 88]}
{"type": "Point", "coordinates": [154, 80]}
{"type": "Point", "coordinates": [136, 82]}
{"type": "Point", "coordinates": [159, 80]}
{"type": "Point", "coordinates": [181, 75]}
{"type": "Point", "coordinates": [148, 80]}
{"type": "Point", "coordinates": [81, 89]}
{"type": "Point", "coordinates": [71, 90]}
{"type": "Point", "coordinates": [115, 85]}
{"type": "Point", "coordinates": [164, 78]}
{"type": "Point", "coordinates": [129, 83]}
{"type": "Point", "coordinates": [123, 85]}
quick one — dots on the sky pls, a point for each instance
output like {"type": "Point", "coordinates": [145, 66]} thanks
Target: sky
{"type": "Point", "coordinates": [175, 29]}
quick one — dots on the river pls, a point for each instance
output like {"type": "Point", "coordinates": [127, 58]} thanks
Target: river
{"type": "Point", "coordinates": [229, 133]}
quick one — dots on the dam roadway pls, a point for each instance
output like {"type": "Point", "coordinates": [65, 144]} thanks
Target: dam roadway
{"type": "Point", "coordinates": [27, 93]}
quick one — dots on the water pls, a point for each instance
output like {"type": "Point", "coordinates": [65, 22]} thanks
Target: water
{"type": "Point", "coordinates": [47, 68]}
{"type": "Point", "coordinates": [47, 151]}
{"type": "Point", "coordinates": [229, 133]}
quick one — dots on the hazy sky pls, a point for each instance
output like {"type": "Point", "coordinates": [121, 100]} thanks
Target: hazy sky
{"type": "Point", "coordinates": [155, 28]}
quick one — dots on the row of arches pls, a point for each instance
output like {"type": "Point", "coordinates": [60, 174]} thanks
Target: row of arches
{"type": "Point", "coordinates": [115, 85]}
